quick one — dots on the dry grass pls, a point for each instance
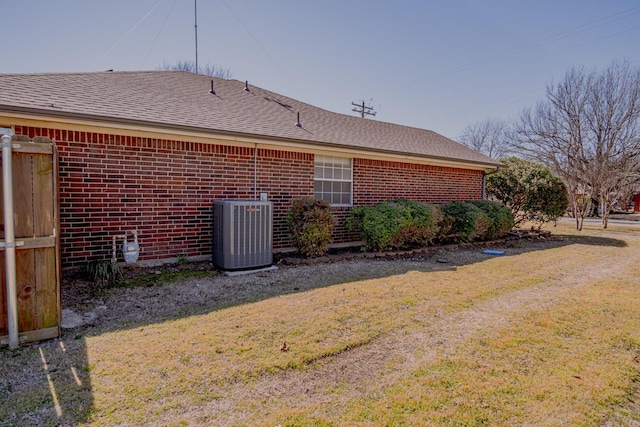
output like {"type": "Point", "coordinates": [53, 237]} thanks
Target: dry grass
{"type": "Point", "coordinates": [537, 337]}
{"type": "Point", "coordinates": [568, 364]}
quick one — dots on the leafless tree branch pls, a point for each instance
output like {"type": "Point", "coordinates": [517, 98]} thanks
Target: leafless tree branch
{"type": "Point", "coordinates": [588, 132]}
{"type": "Point", "coordinates": [190, 66]}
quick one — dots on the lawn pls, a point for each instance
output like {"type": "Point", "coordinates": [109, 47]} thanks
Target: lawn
{"type": "Point", "coordinates": [547, 334]}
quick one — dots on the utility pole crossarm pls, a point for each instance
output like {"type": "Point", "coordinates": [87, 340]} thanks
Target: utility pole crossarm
{"type": "Point", "coordinates": [363, 110]}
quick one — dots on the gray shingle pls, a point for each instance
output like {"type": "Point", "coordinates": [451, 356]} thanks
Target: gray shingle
{"type": "Point", "coordinates": [182, 99]}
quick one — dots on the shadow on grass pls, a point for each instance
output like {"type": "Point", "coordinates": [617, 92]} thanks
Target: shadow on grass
{"type": "Point", "coordinates": [595, 241]}
{"type": "Point", "coordinates": [45, 384]}
{"type": "Point", "coordinates": [49, 383]}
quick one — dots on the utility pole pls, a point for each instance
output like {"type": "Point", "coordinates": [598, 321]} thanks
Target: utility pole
{"type": "Point", "coordinates": [195, 11]}
{"type": "Point", "coordinates": [363, 110]}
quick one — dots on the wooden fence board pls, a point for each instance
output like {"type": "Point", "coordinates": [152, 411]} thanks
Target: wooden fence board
{"type": "Point", "coordinates": [26, 289]}
{"type": "Point", "coordinates": [43, 195]}
{"type": "Point", "coordinates": [24, 221]}
{"type": "Point", "coordinates": [33, 148]}
{"type": "Point", "coordinates": [23, 213]}
{"type": "Point", "coordinates": [45, 274]}
{"type": "Point", "coordinates": [46, 288]}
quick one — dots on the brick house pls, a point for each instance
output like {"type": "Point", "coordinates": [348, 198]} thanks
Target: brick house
{"type": "Point", "coordinates": [152, 150]}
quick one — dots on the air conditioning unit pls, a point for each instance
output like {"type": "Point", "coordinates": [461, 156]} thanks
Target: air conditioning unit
{"type": "Point", "coordinates": [242, 234]}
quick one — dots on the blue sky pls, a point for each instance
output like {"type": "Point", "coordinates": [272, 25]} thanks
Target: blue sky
{"type": "Point", "coordinates": [438, 65]}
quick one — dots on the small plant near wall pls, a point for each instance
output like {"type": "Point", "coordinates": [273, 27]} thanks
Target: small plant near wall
{"type": "Point", "coordinates": [104, 273]}
{"type": "Point", "coordinates": [310, 224]}
{"type": "Point", "coordinates": [182, 259]}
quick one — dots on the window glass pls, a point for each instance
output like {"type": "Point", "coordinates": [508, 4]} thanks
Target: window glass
{"type": "Point", "coordinates": [333, 180]}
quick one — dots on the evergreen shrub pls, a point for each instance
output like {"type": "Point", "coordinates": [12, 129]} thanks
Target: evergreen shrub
{"type": "Point", "coordinates": [502, 219]}
{"type": "Point", "coordinates": [395, 224]}
{"type": "Point", "coordinates": [310, 224]}
{"type": "Point", "coordinates": [469, 222]}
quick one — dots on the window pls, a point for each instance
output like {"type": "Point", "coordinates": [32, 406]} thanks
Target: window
{"type": "Point", "coordinates": [332, 180]}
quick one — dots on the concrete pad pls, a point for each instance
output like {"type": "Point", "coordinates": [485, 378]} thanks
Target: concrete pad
{"type": "Point", "coordinates": [70, 319]}
{"type": "Point", "coordinates": [245, 272]}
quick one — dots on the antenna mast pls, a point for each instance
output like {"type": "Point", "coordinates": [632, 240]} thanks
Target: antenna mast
{"type": "Point", "coordinates": [363, 110]}
{"type": "Point", "coordinates": [195, 10]}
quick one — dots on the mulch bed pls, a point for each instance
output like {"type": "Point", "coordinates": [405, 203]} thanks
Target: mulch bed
{"type": "Point", "coordinates": [338, 255]}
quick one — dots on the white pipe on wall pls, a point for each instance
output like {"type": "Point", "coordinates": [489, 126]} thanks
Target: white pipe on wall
{"type": "Point", "coordinates": [9, 239]}
{"type": "Point", "coordinates": [255, 172]}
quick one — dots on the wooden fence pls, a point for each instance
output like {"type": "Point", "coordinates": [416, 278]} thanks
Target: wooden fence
{"type": "Point", "coordinates": [35, 200]}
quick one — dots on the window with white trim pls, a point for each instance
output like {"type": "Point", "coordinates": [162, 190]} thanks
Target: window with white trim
{"type": "Point", "coordinates": [332, 180]}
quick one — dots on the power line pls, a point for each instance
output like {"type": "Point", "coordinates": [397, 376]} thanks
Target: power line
{"type": "Point", "coordinates": [499, 101]}
{"type": "Point", "coordinates": [132, 28]}
{"type": "Point", "coordinates": [158, 33]}
{"type": "Point", "coordinates": [538, 43]}
{"type": "Point", "coordinates": [263, 49]}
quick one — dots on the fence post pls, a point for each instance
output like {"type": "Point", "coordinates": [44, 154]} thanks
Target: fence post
{"type": "Point", "coordinates": [9, 238]}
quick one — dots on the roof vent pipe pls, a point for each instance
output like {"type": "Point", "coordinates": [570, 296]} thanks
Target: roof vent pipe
{"type": "Point", "coordinates": [212, 92]}
{"type": "Point", "coordinates": [246, 85]}
{"type": "Point", "coordinates": [298, 121]}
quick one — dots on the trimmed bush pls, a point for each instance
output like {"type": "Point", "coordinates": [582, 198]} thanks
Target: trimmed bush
{"type": "Point", "coordinates": [311, 224]}
{"type": "Point", "coordinates": [469, 221]}
{"type": "Point", "coordinates": [395, 224]}
{"type": "Point", "coordinates": [502, 220]}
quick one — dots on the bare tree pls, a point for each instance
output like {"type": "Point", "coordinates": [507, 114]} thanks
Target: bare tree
{"type": "Point", "coordinates": [207, 69]}
{"type": "Point", "coordinates": [491, 137]}
{"type": "Point", "coordinates": [587, 131]}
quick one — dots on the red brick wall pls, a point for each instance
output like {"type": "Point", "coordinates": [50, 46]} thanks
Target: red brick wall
{"type": "Point", "coordinates": [165, 190]}
{"type": "Point", "coordinates": [447, 184]}
{"type": "Point", "coordinates": [340, 232]}
{"type": "Point", "coordinates": [377, 180]}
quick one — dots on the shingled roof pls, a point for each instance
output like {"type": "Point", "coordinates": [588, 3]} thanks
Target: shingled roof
{"type": "Point", "coordinates": [179, 99]}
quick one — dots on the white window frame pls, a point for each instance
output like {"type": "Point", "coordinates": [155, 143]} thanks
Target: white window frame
{"type": "Point", "coordinates": [329, 172]}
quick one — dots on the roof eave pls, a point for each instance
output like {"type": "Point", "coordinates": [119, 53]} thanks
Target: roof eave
{"type": "Point", "coordinates": [487, 166]}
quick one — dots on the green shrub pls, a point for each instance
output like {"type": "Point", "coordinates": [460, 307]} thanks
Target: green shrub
{"type": "Point", "coordinates": [469, 221]}
{"type": "Point", "coordinates": [310, 224]}
{"type": "Point", "coordinates": [531, 191]}
{"type": "Point", "coordinates": [395, 224]}
{"type": "Point", "coordinates": [502, 220]}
